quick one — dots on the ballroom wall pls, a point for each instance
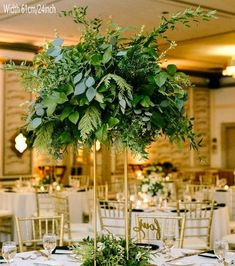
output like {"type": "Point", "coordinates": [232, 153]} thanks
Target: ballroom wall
{"type": "Point", "coordinates": [211, 108]}
{"type": "Point", "coordinates": [222, 111]}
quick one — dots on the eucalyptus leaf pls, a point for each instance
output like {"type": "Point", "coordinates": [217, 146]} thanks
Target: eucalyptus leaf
{"type": "Point", "coordinates": [58, 42]}
{"type": "Point", "coordinates": [54, 51]}
{"type": "Point", "coordinates": [122, 102]}
{"type": "Point", "coordinates": [77, 78]}
{"type": "Point", "coordinates": [40, 111]}
{"type": "Point", "coordinates": [58, 58]}
{"type": "Point", "coordinates": [90, 94]}
{"type": "Point", "coordinates": [36, 122]}
{"type": "Point", "coordinates": [90, 82]}
{"type": "Point", "coordinates": [146, 118]}
{"type": "Point", "coordinates": [80, 88]}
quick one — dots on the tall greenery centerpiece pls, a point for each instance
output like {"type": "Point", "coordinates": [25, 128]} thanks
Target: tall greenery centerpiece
{"type": "Point", "coordinates": [108, 88]}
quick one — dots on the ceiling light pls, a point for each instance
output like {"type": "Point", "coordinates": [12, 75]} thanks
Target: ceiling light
{"type": "Point", "coordinates": [230, 70]}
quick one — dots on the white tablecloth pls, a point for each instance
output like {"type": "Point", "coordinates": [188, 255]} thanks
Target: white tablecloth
{"type": "Point", "coordinates": [58, 260]}
{"type": "Point", "coordinates": [64, 260]}
{"type": "Point", "coordinates": [220, 222]}
{"type": "Point", "coordinates": [23, 204]}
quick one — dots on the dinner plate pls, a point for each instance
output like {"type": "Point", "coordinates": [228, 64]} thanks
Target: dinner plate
{"type": "Point", "coordinates": [181, 263]}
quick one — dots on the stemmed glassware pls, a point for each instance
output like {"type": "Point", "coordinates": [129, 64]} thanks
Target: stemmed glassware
{"type": "Point", "coordinates": [49, 243]}
{"type": "Point", "coordinates": [168, 239]}
{"type": "Point", "coordinates": [220, 248]}
{"type": "Point", "coordinates": [9, 251]}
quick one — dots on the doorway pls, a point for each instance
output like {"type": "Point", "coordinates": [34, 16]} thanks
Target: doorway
{"type": "Point", "coordinates": [228, 145]}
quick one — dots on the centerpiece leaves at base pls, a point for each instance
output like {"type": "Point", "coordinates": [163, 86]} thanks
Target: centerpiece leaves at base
{"type": "Point", "coordinates": [111, 251]}
{"type": "Point", "coordinates": [108, 88]}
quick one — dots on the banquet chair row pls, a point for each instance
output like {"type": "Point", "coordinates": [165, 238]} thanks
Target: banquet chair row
{"type": "Point", "coordinates": [191, 224]}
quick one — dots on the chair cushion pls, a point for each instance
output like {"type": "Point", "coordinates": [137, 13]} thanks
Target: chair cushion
{"type": "Point", "coordinates": [195, 243]}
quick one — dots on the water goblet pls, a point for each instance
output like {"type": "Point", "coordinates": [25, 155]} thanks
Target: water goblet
{"type": "Point", "coordinates": [168, 242]}
{"type": "Point", "coordinates": [49, 243]}
{"type": "Point", "coordinates": [220, 248]}
{"type": "Point", "coordinates": [9, 251]}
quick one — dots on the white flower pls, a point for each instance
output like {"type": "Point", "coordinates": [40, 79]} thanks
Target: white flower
{"type": "Point", "coordinates": [145, 188]}
{"type": "Point", "coordinates": [100, 246]}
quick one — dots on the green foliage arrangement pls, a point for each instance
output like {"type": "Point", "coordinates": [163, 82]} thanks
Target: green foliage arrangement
{"type": "Point", "coordinates": [108, 88]}
{"type": "Point", "coordinates": [111, 251]}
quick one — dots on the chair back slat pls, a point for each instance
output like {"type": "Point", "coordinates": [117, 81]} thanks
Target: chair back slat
{"type": "Point", "coordinates": [112, 216]}
{"type": "Point", "coordinates": [198, 219]}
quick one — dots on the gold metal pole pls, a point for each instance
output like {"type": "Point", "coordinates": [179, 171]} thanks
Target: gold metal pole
{"type": "Point", "coordinates": [126, 201]}
{"type": "Point", "coordinates": [95, 201]}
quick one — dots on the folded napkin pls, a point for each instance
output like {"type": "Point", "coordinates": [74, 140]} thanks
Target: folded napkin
{"type": "Point", "coordinates": [137, 210]}
{"type": "Point", "coordinates": [62, 250]}
{"type": "Point", "coordinates": [148, 246]}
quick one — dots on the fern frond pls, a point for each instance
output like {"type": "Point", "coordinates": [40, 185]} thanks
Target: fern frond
{"type": "Point", "coordinates": [121, 83]}
{"type": "Point", "coordinates": [89, 122]}
{"type": "Point", "coordinates": [43, 137]}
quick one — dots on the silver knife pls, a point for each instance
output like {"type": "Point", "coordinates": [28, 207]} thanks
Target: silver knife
{"type": "Point", "coordinates": [183, 256]}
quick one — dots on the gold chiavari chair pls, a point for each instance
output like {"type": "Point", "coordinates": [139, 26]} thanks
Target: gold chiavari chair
{"type": "Point", "coordinates": [44, 203]}
{"type": "Point", "coordinates": [79, 181]}
{"type": "Point", "coordinates": [151, 229]}
{"type": "Point", "coordinates": [112, 216]}
{"type": "Point", "coordinates": [193, 189]}
{"type": "Point", "coordinates": [102, 194]}
{"type": "Point", "coordinates": [198, 221]}
{"type": "Point", "coordinates": [74, 232]}
{"type": "Point", "coordinates": [30, 230]}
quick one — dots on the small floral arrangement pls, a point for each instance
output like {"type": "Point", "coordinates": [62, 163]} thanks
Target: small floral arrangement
{"type": "Point", "coordinates": [111, 251]}
{"type": "Point", "coordinates": [151, 185]}
{"type": "Point", "coordinates": [162, 169]}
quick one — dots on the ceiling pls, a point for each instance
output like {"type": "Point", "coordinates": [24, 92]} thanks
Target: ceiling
{"type": "Point", "coordinates": [205, 47]}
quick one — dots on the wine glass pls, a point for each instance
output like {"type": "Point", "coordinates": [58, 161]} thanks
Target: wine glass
{"type": "Point", "coordinates": [220, 248]}
{"type": "Point", "coordinates": [168, 239]}
{"type": "Point", "coordinates": [9, 251]}
{"type": "Point", "coordinates": [49, 243]}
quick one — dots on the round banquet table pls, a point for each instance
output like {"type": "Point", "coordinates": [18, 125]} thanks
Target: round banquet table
{"type": "Point", "coordinates": [23, 204]}
{"type": "Point", "coordinates": [65, 260]}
